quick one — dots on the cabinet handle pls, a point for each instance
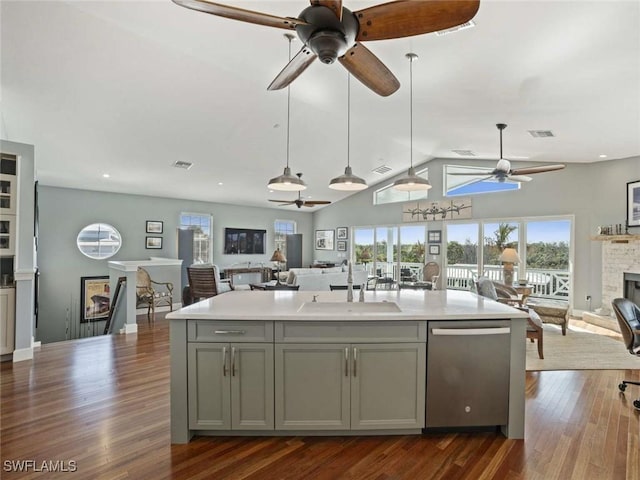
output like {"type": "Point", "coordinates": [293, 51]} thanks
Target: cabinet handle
{"type": "Point", "coordinates": [346, 361]}
{"type": "Point", "coordinates": [233, 361]}
{"type": "Point", "coordinates": [355, 362]}
{"type": "Point", "coordinates": [471, 331]}
{"type": "Point", "coordinates": [229, 332]}
{"type": "Point", "coordinates": [224, 361]}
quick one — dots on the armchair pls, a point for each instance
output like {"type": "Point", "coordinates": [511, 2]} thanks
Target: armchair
{"type": "Point", "coordinates": [504, 294]}
{"type": "Point", "coordinates": [431, 274]}
{"type": "Point", "coordinates": [152, 294]}
{"type": "Point", "coordinates": [628, 315]}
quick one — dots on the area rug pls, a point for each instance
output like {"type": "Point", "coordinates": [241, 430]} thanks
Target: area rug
{"type": "Point", "coordinates": [579, 350]}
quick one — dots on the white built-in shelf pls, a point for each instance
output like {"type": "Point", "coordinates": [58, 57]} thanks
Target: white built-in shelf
{"type": "Point", "coordinates": [615, 238]}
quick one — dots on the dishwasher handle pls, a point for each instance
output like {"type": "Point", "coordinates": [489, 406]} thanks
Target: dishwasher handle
{"type": "Point", "coordinates": [471, 331]}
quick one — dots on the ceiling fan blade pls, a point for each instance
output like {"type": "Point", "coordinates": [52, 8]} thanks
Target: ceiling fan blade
{"type": "Point", "coordinates": [293, 69]}
{"type": "Point", "coordinates": [284, 201]}
{"type": "Point", "coordinates": [241, 14]}
{"type": "Point", "coordinates": [334, 5]}
{"type": "Point", "coordinates": [519, 178]}
{"type": "Point", "coordinates": [404, 18]}
{"type": "Point", "coordinates": [368, 68]}
{"type": "Point", "coordinates": [310, 203]}
{"type": "Point", "coordinates": [540, 169]}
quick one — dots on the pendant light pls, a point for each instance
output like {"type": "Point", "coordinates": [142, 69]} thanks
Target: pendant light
{"type": "Point", "coordinates": [286, 181]}
{"type": "Point", "coordinates": [348, 181]}
{"type": "Point", "coordinates": [411, 182]}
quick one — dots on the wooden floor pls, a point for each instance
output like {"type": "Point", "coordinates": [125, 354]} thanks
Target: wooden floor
{"type": "Point", "coordinates": [100, 406]}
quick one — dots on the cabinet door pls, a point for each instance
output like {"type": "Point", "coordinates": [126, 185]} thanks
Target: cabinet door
{"type": "Point", "coordinates": [252, 386]}
{"type": "Point", "coordinates": [387, 386]}
{"type": "Point", "coordinates": [209, 386]}
{"type": "Point", "coordinates": [312, 387]}
{"type": "Point", "coordinates": [7, 319]}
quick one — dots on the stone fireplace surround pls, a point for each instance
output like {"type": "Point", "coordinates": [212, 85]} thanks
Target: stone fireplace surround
{"type": "Point", "coordinates": [620, 278]}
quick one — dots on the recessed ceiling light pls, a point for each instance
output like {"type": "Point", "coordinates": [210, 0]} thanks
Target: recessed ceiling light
{"type": "Point", "coordinates": [105, 175]}
{"type": "Point", "coordinates": [220, 183]}
{"type": "Point", "coordinates": [602, 156]}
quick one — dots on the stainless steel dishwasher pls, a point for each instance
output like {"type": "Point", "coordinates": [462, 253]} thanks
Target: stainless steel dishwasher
{"type": "Point", "coordinates": [468, 373]}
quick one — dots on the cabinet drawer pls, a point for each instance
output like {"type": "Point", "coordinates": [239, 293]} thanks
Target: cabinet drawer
{"type": "Point", "coordinates": [231, 331]}
{"type": "Point", "coordinates": [333, 332]}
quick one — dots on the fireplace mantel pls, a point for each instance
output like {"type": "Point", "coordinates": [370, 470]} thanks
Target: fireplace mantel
{"type": "Point", "coordinates": [615, 238]}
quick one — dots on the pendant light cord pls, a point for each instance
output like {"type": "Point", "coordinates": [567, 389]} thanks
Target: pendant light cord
{"type": "Point", "coordinates": [348, 117]}
{"type": "Point", "coordinates": [288, 104]}
{"type": "Point", "coordinates": [501, 144]}
{"type": "Point", "coordinates": [411, 111]}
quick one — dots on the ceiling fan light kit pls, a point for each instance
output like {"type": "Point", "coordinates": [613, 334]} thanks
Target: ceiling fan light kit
{"type": "Point", "coordinates": [411, 182]}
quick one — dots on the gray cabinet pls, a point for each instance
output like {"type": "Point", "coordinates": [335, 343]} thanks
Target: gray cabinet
{"type": "Point", "coordinates": [230, 386]}
{"type": "Point", "coordinates": [349, 386]}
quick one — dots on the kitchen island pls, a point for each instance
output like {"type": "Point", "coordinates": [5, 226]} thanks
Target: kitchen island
{"type": "Point", "coordinates": [310, 363]}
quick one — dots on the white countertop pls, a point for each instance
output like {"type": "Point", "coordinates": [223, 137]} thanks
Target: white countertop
{"type": "Point", "coordinates": [284, 305]}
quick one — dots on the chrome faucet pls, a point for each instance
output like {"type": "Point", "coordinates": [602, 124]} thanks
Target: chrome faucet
{"type": "Point", "coordinates": [350, 284]}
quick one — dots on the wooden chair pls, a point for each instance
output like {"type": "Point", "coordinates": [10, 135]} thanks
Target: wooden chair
{"type": "Point", "coordinates": [152, 294]}
{"type": "Point", "coordinates": [504, 294]}
{"type": "Point", "coordinates": [204, 282]}
{"type": "Point", "coordinates": [431, 274]}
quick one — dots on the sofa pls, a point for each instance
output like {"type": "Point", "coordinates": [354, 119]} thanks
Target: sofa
{"type": "Point", "coordinates": [321, 278]}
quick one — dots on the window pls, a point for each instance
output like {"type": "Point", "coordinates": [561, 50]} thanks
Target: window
{"type": "Point", "coordinates": [388, 194]}
{"type": "Point", "coordinates": [281, 229]}
{"type": "Point", "coordinates": [456, 185]}
{"type": "Point", "coordinates": [99, 241]}
{"type": "Point", "coordinates": [200, 223]}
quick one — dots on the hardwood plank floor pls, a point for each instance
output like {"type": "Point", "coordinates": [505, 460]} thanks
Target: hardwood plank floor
{"type": "Point", "coordinates": [100, 406]}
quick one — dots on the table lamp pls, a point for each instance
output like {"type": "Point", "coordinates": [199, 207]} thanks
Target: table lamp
{"type": "Point", "coordinates": [278, 257]}
{"type": "Point", "coordinates": [509, 257]}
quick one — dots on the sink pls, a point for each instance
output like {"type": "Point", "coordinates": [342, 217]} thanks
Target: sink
{"type": "Point", "coordinates": [338, 308]}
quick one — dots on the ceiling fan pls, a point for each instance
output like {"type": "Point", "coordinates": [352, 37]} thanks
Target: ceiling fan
{"type": "Point", "coordinates": [300, 202]}
{"type": "Point", "coordinates": [330, 31]}
{"type": "Point", "coordinates": [503, 169]}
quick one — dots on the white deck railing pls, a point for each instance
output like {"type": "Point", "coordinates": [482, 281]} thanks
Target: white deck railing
{"type": "Point", "coordinates": [547, 283]}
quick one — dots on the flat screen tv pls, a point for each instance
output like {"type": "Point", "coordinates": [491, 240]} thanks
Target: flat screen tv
{"type": "Point", "coordinates": [244, 241]}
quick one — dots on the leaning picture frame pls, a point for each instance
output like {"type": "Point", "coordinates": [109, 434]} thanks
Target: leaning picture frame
{"type": "Point", "coordinates": [95, 298]}
{"type": "Point", "coordinates": [153, 243]}
{"type": "Point", "coordinates": [324, 239]}
{"type": "Point", "coordinates": [633, 204]}
{"type": "Point", "coordinates": [154, 226]}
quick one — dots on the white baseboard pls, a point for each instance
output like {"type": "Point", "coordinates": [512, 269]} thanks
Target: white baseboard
{"type": "Point", "coordinates": [129, 328]}
{"type": "Point", "coordinates": [22, 354]}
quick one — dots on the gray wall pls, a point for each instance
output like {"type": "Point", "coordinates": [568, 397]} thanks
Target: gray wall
{"type": "Point", "coordinates": [64, 212]}
{"type": "Point", "coordinates": [594, 193]}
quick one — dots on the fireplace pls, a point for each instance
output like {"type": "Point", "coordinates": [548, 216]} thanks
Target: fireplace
{"type": "Point", "coordinates": [632, 287]}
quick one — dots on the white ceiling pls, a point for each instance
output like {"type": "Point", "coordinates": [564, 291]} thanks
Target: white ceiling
{"type": "Point", "coordinates": [129, 87]}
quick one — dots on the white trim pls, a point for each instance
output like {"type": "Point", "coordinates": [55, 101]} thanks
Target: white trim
{"type": "Point", "coordinates": [132, 265]}
{"type": "Point", "coordinates": [22, 354]}
{"type": "Point", "coordinates": [129, 328]}
{"type": "Point", "coordinates": [22, 275]}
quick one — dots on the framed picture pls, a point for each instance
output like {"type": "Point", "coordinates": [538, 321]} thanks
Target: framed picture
{"type": "Point", "coordinates": [341, 246]}
{"type": "Point", "coordinates": [153, 242]}
{"type": "Point", "coordinates": [342, 233]}
{"type": "Point", "coordinates": [154, 226]}
{"type": "Point", "coordinates": [633, 204]}
{"type": "Point", "coordinates": [435, 236]}
{"type": "Point", "coordinates": [434, 249]}
{"type": "Point", "coordinates": [324, 239]}
{"type": "Point", "coordinates": [94, 298]}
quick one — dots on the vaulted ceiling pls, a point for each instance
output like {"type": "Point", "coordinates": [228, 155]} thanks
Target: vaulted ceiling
{"type": "Point", "coordinates": [127, 88]}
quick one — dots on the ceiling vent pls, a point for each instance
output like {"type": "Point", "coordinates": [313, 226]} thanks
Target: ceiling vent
{"type": "Point", "coordinates": [181, 164]}
{"type": "Point", "coordinates": [541, 133]}
{"type": "Point", "coordinates": [457, 28]}
{"type": "Point", "coordinates": [381, 170]}
{"type": "Point", "coordinates": [464, 153]}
